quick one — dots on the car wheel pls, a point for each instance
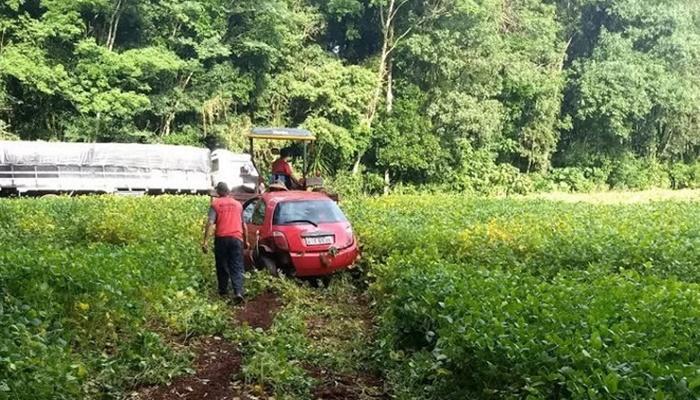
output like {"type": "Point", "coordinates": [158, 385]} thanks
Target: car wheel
{"type": "Point", "coordinates": [268, 264]}
{"type": "Point", "coordinates": [326, 280]}
{"type": "Point", "coordinates": [319, 282]}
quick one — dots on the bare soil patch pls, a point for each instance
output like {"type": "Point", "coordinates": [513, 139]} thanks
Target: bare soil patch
{"type": "Point", "coordinates": [357, 386]}
{"type": "Point", "coordinates": [260, 312]}
{"type": "Point", "coordinates": [217, 362]}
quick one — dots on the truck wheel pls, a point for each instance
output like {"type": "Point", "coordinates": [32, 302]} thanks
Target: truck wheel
{"type": "Point", "coordinates": [269, 265]}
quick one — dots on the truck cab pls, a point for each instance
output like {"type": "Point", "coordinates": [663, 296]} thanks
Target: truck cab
{"type": "Point", "coordinates": [236, 169]}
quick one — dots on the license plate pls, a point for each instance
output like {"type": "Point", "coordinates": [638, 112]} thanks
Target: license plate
{"type": "Point", "coordinates": [318, 240]}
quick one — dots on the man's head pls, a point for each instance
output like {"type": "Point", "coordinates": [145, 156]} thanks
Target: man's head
{"type": "Point", "coordinates": [285, 153]}
{"type": "Point", "coordinates": [222, 189]}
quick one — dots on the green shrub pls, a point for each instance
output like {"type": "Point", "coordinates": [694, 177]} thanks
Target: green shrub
{"type": "Point", "coordinates": [685, 176]}
{"type": "Point", "coordinates": [638, 174]}
{"type": "Point", "coordinates": [578, 179]}
{"type": "Point", "coordinates": [364, 183]}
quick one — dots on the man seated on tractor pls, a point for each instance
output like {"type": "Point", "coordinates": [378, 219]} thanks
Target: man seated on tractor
{"type": "Point", "coordinates": [282, 170]}
{"type": "Point", "coordinates": [277, 186]}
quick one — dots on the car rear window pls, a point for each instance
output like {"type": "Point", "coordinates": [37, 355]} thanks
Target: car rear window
{"type": "Point", "coordinates": [316, 211]}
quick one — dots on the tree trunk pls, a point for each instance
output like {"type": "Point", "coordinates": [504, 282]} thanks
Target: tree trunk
{"type": "Point", "coordinates": [170, 117]}
{"type": "Point", "coordinates": [389, 88]}
{"type": "Point", "coordinates": [384, 69]}
{"type": "Point", "coordinates": [175, 31]}
{"type": "Point", "coordinates": [2, 39]}
{"type": "Point", "coordinates": [387, 182]}
{"type": "Point", "coordinates": [387, 32]}
{"type": "Point", "coordinates": [97, 126]}
{"type": "Point", "coordinates": [666, 134]}
{"type": "Point", "coordinates": [381, 74]}
{"type": "Point", "coordinates": [389, 74]}
{"type": "Point", "coordinates": [356, 165]}
{"type": "Point", "coordinates": [114, 25]}
{"type": "Point", "coordinates": [372, 109]}
{"type": "Point", "coordinates": [167, 123]}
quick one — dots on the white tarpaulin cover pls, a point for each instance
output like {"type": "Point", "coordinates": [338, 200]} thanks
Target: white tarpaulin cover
{"type": "Point", "coordinates": [148, 156]}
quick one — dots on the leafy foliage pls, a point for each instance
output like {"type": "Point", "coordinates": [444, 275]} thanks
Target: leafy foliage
{"type": "Point", "coordinates": [425, 92]}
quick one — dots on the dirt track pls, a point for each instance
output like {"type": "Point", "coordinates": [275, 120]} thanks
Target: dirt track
{"type": "Point", "coordinates": [218, 363]}
{"type": "Point", "coordinates": [260, 312]}
{"type": "Point", "coordinates": [334, 386]}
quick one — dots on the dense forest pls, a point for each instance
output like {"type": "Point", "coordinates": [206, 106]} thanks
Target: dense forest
{"type": "Point", "coordinates": [467, 94]}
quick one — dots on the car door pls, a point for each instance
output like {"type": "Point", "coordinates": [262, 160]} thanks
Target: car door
{"type": "Point", "coordinates": [253, 217]}
{"type": "Point", "coordinates": [248, 208]}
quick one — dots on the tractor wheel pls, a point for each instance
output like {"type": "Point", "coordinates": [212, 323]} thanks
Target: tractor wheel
{"type": "Point", "coordinates": [268, 264]}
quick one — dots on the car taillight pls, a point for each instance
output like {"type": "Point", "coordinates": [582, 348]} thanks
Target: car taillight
{"type": "Point", "coordinates": [280, 240]}
{"type": "Point", "coordinates": [350, 235]}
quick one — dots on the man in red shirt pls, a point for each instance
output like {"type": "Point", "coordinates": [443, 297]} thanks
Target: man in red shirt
{"type": "Point", "coordinates": [282, 170]}
{"type": "Point", "coordinates": [226, 220]}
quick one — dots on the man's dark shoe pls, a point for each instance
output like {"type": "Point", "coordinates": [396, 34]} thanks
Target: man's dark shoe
{"type": "Point", "coordinates": [238, 299]}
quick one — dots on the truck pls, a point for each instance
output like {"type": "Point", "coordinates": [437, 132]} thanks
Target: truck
{"type": "Point", "coordinates": [51, 168]}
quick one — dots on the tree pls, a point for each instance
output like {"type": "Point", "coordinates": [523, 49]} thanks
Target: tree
{"type": "Point", "coordinates": [404, 88]}
{"type": "Point", "coordinates": [634, 86]}
{"type": "Point", "coordinates": [533, 80]}
{"type": "Point", "coordinates": [325, 96]}
{"type": "Point", "coordinates": [408, 147]}
{"type": "Point", "coordinates": [412, 15]}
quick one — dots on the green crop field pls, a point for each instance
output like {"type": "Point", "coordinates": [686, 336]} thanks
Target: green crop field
{"type": "Point", "coordinates": [534, 298]}
{"type": "Point", "coordinates": [92, 287]}
{"type": "Point", "coordinates": [456, 298]}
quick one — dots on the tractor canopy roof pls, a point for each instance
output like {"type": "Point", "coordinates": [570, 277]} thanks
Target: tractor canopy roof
{"type": "Point", "coordinates": [281, 134]}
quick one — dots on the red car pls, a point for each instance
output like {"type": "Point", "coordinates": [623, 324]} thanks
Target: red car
{"type": "Point", "coordinates": [298, 233]}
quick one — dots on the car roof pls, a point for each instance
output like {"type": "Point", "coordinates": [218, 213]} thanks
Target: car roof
{"type": "Point", "coordinates": [292, 195]}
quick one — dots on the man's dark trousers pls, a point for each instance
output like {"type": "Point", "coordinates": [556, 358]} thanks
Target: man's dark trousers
{"type": "Point", "coordinates": [228, 252]}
